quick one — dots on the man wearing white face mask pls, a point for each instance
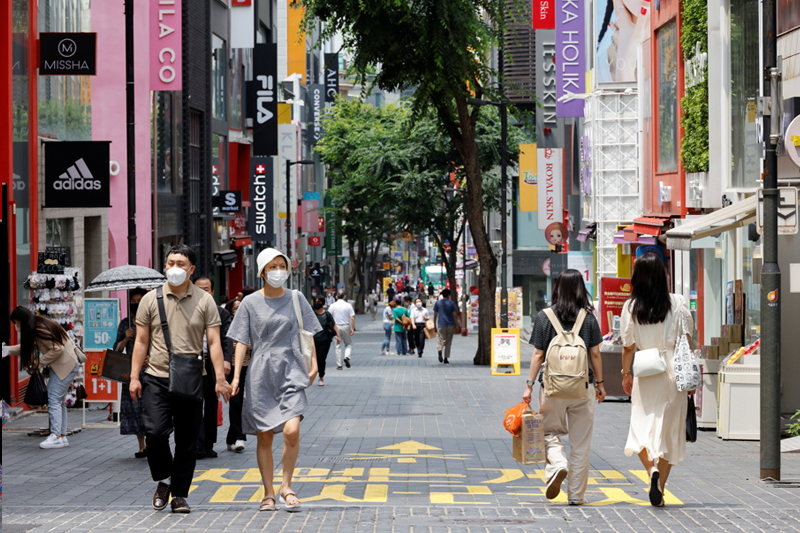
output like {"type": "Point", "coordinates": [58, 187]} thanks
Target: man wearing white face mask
{"type": "Point", "coordinates": [345, 317]}
{"type": "Point", "coordinates": [190, 313]}
{"type": "Point", "coordinates": [419, 316]}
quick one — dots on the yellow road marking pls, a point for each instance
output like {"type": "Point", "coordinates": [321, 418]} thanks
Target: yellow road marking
{"type": "Point", "coordinates": [450, 497]}
{"type": "Point", "coordinates": [409, 446]}
{"type": "Point", "coordinates": [507, 475]}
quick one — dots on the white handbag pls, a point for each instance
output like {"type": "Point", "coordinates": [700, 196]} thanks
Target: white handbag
{"type": "Point", "coordinates": [651, 362]}
{"type": "Point", "coordinates": [306, 337]}
{"type": "Point", "coordinates": [687, 371]}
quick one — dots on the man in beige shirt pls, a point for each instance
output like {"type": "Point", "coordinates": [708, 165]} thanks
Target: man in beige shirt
{"type": "Point", "coordinates": [191, 313]}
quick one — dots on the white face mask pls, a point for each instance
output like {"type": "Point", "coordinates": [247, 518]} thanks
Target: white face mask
{"type": "Point", "coordinates": [277, 278]}
{"type": "Point", "coordinates": [176, 276]}
{"type": "Point", "coordinates": [419, 305]}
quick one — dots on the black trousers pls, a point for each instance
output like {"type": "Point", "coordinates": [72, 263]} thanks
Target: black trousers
{"type": "Point", "coordinates": [208, 431]}
{"type": "Point", "coordinates": [162, 414]}
{"type": "Point", "coordinates": [235, 410]}
{"type": "Point", "coordinates": [322, 348]}
{"type": "Point", "coordinates": [419, 337]}
{"type": "Point", "coordinates": [411, 336]}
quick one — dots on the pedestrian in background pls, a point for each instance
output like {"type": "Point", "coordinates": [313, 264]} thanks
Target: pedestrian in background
{"type": "Point", "coordinates": [390, 292]}
{"type": "Point", "coordinates": [401, 317]}
{"type": "Point", "coordinates": [130, 411]}
{"type": "Point", "coordinates": [329, 298]}
{"type": "Point", "coordinates": [208, 430]}
{"type": "Point", "coordinates": [56, 350]}
{"type": "Point", "coordinates": [567, 417]}
{"type": "Point", "coordinates": [447, 322]}
{"type": "Point", "coordinates": [388, 321]}
{"type": "Point", "coordinates": [235, 439]}
{"type": "Point", "coordinates": [373, 304]}
{"type": "Point", "coordinates": [419, 315]}
{"type": "Point", "coordinates": [658, 410]}
{"type": "Point", "coordinates": [323, 339]}
{"type": "Point", "coordinates": [163, 413]}
{"type": "Point", "coordinates": [232, 306]}
{"type": "Point", "coordinates": [411, 331]}
{"type": "Point", "coordinates": [275, 398]}
{"type": "Point", "coordinates": [345, 317]}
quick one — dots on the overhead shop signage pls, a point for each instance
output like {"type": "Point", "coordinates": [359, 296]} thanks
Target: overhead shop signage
{"type": "Point", "coordinates": [67, 54]}
{"type": "Point", "coordinates": [544, 14]}
{"type": "Point", "coordinates": [265, 113]}
{"type": "Point", "coordinates": [228, 201]}
{"type": "Point", "coordinates": [165, 45]}
{"type": "Point", "coordinates": [548, 125]}
{"type": "Point", "coordinates": [76, 174]}
{"type": "Point", "coordinates": [549, 178]}
{"type": "Point", "coordinates": [314, 106]}
{"type": "Point", "coordinates": [331, 77]}
{"type": "Point", "coordinates": [570, 56]}
{"type": "Point", "coordinates": [259, 223]}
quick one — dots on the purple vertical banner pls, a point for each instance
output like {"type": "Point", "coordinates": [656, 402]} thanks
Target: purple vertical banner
{"type": "Point", "coordinates": [570, 56]}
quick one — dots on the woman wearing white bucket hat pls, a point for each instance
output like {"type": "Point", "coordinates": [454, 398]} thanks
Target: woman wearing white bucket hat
{"type": "Point", "coordinates": [274, 398]}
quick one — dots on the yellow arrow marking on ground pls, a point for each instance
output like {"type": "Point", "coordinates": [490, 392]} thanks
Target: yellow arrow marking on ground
{"type": "Point", "coordinates": [372, 494]}
{"type": "Point", "coordinates": [409, 446]}
{"type": "Point", "coordinates": [669, 498]}
{"type": "Point", "coordinates": [450, 497]}
{"type": "Point", "coordinates": [507, 475]}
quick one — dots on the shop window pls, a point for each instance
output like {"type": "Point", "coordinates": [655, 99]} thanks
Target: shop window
{"type": "Point", "coordinates": [667, 108]}
{"type": "Point", "coordinates": [59, 232]}
{"type": "Point", "coordinates": [237, 97]}
{"type": "Point", "coordinates": [163, 141]}
{"type": "Point", "coordinates": [219, 164]}
{"type": "Point", "coordinates": [219, 62]}
{"type": "Point", "coordinates": [194, 162]}
{"type": "Point", "coordinates": [745, 55]}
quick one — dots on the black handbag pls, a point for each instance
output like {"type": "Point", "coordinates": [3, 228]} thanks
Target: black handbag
{"type": "Point", "coordinates": [691, 421]}
{"type": "Point", "coordinates": [36, 393]}
{"type": "Point", "coordinates": [185, 371]}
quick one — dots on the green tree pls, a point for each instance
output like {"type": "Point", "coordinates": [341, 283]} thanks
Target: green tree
{"type": "Point", "coordinates": [442, 50]}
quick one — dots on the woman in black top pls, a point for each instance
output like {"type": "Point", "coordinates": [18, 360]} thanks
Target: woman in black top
{"type": "Point", "coordinates": [322, 340]}
{"type": "Point", "coordinates": [561, 416]}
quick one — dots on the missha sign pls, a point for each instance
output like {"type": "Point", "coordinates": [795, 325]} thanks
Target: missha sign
{"type": "Point", "coordinates": [165, 45]}
{"type": "Point", "coordinates": [67, 54]}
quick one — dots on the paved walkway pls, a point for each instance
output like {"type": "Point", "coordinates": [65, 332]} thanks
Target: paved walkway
{"type": "Point", "coordinates": [396, 444]}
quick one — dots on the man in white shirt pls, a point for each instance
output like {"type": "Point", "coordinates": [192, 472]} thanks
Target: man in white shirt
{"type": "Point", "coordinates": [345, 317]}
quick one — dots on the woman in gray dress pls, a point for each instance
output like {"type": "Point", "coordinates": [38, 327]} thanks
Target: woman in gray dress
{"type": "Point", "coordinates": [275, 397]}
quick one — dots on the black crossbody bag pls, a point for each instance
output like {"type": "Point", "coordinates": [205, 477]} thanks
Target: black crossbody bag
{"type": "Point", "coordinates": [185, 371]}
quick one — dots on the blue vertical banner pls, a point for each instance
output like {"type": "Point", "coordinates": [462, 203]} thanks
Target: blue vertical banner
{"type": "Point", "coordinates": [100, 323]}
{"type": "Point", "coordinates": [570, 56]}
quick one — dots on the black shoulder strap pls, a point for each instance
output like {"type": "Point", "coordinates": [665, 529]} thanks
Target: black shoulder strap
{"type": "Point", "coordinates": [162, 313]}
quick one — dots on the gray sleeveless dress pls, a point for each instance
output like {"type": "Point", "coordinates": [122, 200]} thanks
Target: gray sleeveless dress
{"type": "Point", "coordinates": [277, 376]}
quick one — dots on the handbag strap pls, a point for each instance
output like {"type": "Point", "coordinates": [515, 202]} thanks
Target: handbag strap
{"type": "Point", "coordinates": [162, 314]}
{"type": "Point", "coordinates": [297, 311]}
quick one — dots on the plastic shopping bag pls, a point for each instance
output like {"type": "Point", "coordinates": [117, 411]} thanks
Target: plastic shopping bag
{"type": "Point", "coordinates": [513, 419]}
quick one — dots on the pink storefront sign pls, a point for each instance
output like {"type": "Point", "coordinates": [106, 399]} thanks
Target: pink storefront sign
{"type": "Point", "coordinates": [165, 45]}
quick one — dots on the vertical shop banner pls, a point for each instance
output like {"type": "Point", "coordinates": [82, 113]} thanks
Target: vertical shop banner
{"type": "Point", "coordinates": [260, 221]}
{"type": "Point", "coordinates": [166, 47]}
{"type": "Point", "coordinates": [528, 194]}
{"type": "Point", "coordinates": [314, 107]}
{"type": "Point", "coordinates": [310, 205]}
{"type": "Point", "coordinates": [76, 174]}
{"type": "Point", "coordinates": [583, 262]}
{"type": "Point", "coordinates": [265, 87]}
{"type": "Point", "coordinates": [570, 56]}
{"type": "Point", "coordinates": [243, 31]}
{"type": "Point", "coordinates": [333, 232]}
{"type": "Point", "coordinates": [613, 294]}
{"type": "Point", "coordinates": [548, 125]}
{"type": "Point", "coordinates": [617, 37]}
{"type": "Point", "coordinates": [101, 318]}
{"type": "Point", "coordinates": [543, 14]}
{"type": "Point", "coordinates": [331, 77]}
{"type": "Point", "coordinates": [549, 188]}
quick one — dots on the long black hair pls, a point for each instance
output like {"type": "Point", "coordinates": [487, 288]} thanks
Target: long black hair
{"type": "Point", "coordinates": [606, 20]}
{"type": "Point", "coordinates": [570, 296]}
{"type": "Point", "coordinates": [650, 301]}
{"type": "Point", "coordinates": [32, 327]}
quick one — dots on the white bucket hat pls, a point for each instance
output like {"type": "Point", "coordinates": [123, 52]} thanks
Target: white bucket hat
{"type": "Point", "coordinates": [267, 255]}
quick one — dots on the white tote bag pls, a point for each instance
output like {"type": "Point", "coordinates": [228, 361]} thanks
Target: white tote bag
{"type": "Point", "coordinates": [687, 371]}
{"type": "Point", "coordinates": [306, 337]}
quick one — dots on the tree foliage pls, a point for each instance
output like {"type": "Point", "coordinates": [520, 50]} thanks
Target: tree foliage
{"type": "Point", "coordinates": [442, 50]}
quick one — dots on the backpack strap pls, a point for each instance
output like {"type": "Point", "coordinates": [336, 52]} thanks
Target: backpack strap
{"type": "Point", "coordinates": [576, 329]}
{"type": "Point", "coordinates": [162, 314]}
{"type": "Point", "coordinates": [554, 320]}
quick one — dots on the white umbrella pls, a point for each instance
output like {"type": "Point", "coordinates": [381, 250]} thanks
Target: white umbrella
{"type": "Point", "coordinates": [126, 277]}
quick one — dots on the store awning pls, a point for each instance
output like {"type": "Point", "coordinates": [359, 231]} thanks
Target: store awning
{"type": "Point", "coordinates": [226, 258]}
{"type": "Point", "coordinates": [650, 225]}
{"type": "Point", "coordinates": [587, 233]}
{"type": "Point", "coordinates": [626, 236]}
{"type": "Point", "coordinates": [728, 218]}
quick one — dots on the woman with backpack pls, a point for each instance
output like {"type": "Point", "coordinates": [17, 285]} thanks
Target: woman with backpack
{"type": "Point", "coordinates": [567, 409]}
{"type": "Point", "coordinates": [323, 339]}
{"type": "Point", "coordinates": [658, 410]}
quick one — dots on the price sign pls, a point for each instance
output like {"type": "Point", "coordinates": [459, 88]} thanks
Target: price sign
{"type": "Point", "coordinates": [100, 324]}
{"type": "Point", "coordinates": [98, 389]}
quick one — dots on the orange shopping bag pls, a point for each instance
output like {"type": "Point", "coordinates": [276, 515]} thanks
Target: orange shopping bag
{"type": "Point", "coordinates": [513, 419]}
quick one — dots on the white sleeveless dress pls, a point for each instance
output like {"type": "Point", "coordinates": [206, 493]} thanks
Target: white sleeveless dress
{"type": "Point", "coordinates": [658, 409]}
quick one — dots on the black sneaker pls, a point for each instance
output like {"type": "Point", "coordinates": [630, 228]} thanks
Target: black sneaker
{"type": "Point", "coordinates": [440, 357]}
{"type": "Point", "coordinates": [161, 497]}
{"type": "Point", "coordinates": [179, 505]}
{"type": "Point", "coordinates": [347, 362]}
{"type": "Point", "coordinates": [446, 361]}
{"type": "Point", "coordinates": [211, 454]}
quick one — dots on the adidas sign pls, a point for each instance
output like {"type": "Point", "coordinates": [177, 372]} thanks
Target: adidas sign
{"type": "Point", "coordinates": [77, 178]}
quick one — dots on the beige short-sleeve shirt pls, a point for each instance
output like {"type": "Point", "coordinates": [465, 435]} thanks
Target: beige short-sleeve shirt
{"type": "Point", "coordinates": [188, 318]}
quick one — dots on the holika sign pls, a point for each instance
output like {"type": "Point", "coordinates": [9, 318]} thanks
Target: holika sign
{"type": "Point", "coordinates": [570, 56]}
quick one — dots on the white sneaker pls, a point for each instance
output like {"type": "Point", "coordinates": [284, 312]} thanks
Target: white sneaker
{"type": "Point", "coordinates": [52, 442]}
{"type": "Point", "coordinates": [65, 441]}
{"type": "Point", "coordinates": [238, 446]}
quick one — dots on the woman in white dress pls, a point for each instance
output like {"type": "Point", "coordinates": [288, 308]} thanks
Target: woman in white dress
{"type": "Point", "coordinates": [658, 410]}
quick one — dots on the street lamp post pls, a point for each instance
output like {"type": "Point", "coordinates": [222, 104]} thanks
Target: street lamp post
{"type": "Point", "coordinates": [289, 165]}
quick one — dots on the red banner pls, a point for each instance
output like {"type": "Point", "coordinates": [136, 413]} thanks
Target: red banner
{"type": "Point", "coordinates": [614, 292]}
{"type": "Point", "coordinates": [543, 13]}
{"type": "Point", "coordinates": [98, 389]}
{"type": "Point", "coordinates": [314, 240]}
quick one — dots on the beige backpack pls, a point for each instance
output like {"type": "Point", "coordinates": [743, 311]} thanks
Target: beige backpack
{"type": "Point", "coordinates": [565, 373]}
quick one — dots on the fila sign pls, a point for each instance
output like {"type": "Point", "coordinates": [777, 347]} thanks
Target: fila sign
{"type": "Point", "coordinates": [76, 174]}
{"type": "Point", "coordinates": [165, 45]}
{"type": "Point", "coordinates": [265, 119]}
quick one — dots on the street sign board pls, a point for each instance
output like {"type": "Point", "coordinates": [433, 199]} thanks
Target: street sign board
{"type": "Point", "coordinates": [787, 211]}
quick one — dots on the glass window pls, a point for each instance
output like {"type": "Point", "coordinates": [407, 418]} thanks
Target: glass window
{"type": "Point", "coordinates": [746, 168]}
{"type": "Point", "coordinates": [219, 60]}
{"type": "Point", "coordinates": [237, 90]}
{"type": "Point", "coordinates": [219, 165]}
{"type": "Point", "coordinates": [163, 141]}
{"type": "Point", "coordinates": [667, 46]}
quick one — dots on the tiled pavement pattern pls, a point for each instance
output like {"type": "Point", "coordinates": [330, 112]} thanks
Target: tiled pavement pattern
{"type": "Point", "coordinates": [396, 444]}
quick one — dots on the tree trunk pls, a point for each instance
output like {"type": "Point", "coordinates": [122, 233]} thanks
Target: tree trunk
{"type": "Point", "coordinates": [353, 276]}
{"type": "Point", "coordinates": [362, 260]}
{"type": "Point", "coordinates": [487, 279]}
